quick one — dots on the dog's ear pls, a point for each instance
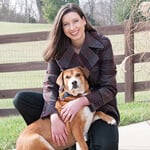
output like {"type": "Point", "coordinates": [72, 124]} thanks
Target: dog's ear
{"type": "Point", "coordinates": [59, 80]}
{"type": "Point", "coordinates": [85, 71]}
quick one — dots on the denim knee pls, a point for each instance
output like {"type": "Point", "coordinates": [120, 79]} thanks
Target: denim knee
{"type": "Point", "coordinates": [102, 136]}
{"type": "Point", "coordinates": [18, 98]}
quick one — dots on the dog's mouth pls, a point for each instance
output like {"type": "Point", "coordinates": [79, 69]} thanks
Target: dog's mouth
{"type": "Point", "coordinates": [76, 90]}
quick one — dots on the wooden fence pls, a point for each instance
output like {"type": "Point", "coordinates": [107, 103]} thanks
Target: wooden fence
{"type": "Point", "coordinates": [128, 87]}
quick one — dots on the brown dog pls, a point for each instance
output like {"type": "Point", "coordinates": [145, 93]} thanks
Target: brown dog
{"type": "Point", "coordinates": [37, 136]}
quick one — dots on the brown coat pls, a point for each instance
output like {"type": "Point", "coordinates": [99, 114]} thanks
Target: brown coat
{"type": "Point", "coordinates": [96, 55]}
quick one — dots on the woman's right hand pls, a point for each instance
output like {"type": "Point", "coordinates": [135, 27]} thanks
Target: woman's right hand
{"type": "Point", "coordinates": [59, 131]}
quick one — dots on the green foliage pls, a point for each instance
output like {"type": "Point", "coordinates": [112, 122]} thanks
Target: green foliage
{"type": "Point", "coordinates": [124, 8]}
{"type": "Point", "coordinates": [51, 7]}
{"type": "Point", "coordinates": [90, 19]}
{"type": "Point", "coordinates": [134, 112]}
{"type": "Point", "coordinates": [10, 128]}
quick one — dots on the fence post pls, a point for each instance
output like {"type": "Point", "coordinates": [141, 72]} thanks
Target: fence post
{"type": "Point", "coordinates": [129, 64]}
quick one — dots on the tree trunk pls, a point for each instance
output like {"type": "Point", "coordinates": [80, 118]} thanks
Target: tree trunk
{"type": "Point", "coordinates": [39, 7]}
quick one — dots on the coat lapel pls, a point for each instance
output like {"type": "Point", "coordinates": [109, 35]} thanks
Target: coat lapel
{"type": "Point", "coordinates": [87, 51]}
{"type": "Point", "coordinates": [66, 58]}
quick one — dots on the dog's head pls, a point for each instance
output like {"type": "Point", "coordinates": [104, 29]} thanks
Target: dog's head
{"type": "Point", "coordinates": [74, 81]}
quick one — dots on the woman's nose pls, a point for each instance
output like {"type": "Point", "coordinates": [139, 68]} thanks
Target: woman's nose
{"type": "Point", "coordinates": [72, 26]}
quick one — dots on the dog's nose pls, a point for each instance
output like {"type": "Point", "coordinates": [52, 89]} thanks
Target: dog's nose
{"type": "Point", "coordinates": [74, 84]}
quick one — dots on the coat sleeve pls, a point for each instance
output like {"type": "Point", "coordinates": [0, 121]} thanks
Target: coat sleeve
{"type": "Point", "coordinates": [50, 88]}
{"type": "Point", "coordinates": [106, 89]}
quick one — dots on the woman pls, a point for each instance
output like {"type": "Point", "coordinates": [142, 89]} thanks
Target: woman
{"type": "Point", "coordinates": [74, 42]}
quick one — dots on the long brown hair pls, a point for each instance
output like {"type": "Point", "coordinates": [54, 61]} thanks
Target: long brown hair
{"type": "Point", "coordinates": [58, 39]}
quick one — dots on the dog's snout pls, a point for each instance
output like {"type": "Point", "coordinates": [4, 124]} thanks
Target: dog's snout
{"type": "Point", "coordinates": [74, 83]}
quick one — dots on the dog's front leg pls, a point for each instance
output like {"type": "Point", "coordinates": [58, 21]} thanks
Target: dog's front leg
{"type": "Point", "coordinates": [78, 146]}
{"type": "Point", "coordinates": [82, 145]}
{"type": "Point", "coordinates": [77, 131]}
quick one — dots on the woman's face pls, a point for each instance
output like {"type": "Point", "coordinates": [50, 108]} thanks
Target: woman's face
{"type": "Point", "coordinates": [74, 26]}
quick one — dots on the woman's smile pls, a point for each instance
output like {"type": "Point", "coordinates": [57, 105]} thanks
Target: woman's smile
{"type": "Point", "coordinates": [74, 28]}
{"type": "Point", "coordinates": [74, 33]}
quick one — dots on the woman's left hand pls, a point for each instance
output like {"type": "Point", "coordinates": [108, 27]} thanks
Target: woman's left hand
{"type": "Point", "coordinates": [70, 109]}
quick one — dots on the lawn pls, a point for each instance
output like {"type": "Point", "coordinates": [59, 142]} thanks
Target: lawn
{"type": "Point", "coordinates": [10, 127]}
{"type": "Point", "coordinates": [12, 28]}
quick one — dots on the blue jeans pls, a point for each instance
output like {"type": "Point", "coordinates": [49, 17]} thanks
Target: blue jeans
{"type": "Point", "coordinates": [101, 136]}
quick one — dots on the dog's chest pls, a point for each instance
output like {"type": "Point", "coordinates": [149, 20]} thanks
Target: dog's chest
{"type": "Point", "coordinates": [87, 115]}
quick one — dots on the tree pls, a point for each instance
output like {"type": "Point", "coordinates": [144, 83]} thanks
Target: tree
{"type": "Point", "coordinates": [50, 7]}
{"type": "Point", "coordinates": [39, 4]}
{"type": "Point", "coordinates": [99, 12]}
{"type": "Point", "coordinates": [8, 12]}
{"type": "Point", "coordinates": [18, 11]}
{"type": "Point", "coordinates": [91, 4]}
{"type": "Point", "coordinates": [124, 8]}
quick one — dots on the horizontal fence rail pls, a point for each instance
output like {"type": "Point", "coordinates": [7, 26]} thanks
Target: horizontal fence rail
{"type": "Point", "coordinates": [139, 86]}
{"type": "Point", "coordinates": [127, 59]}
{"type": "Point", "coordinates": [24, 37]}
{"type": "Point", "coordinates": [23, 66]}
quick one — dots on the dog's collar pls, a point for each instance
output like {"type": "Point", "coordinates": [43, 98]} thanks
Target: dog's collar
{"type": "Point", "coordinates": [66, 94]}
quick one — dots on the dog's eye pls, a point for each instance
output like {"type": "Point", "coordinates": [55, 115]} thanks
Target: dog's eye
{"type": "Point", "coordinates": [67, 77]}
{"type": "Point", "coordinates": [78, 75]}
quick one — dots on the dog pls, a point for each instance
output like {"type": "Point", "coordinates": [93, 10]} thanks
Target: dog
{"type": "Point", "coordinates": [37, 136]}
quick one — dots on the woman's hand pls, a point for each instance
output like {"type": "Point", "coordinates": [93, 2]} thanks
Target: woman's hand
{"type": "Point", "coordinates": [59, 131]}
{"type": "Point", "coordinates": [70, 109]}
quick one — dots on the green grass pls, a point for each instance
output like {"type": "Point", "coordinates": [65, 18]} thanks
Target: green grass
{"type": "Point", "coordinates": [10, 127]}
{"type": "Point", "coordinates": [23, 79]}
{"type": "Point", "coordinates": [134, 112]}
{"type": "Point", "coordinates": [6, 103]}
{"type": "Point", "coordinates": [22, 52]}
{"type": "Point", "coordinates": [12, 28]}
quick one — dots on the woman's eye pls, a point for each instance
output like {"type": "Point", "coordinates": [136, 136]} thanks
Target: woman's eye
{"type": "Point", "coordinates": [76, 21]}
{"type": "Point", "coordinates": [65, 24]}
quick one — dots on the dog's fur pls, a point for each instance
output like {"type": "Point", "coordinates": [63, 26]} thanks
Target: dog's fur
{"type": "Point", "coordinates": [37, 136]}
